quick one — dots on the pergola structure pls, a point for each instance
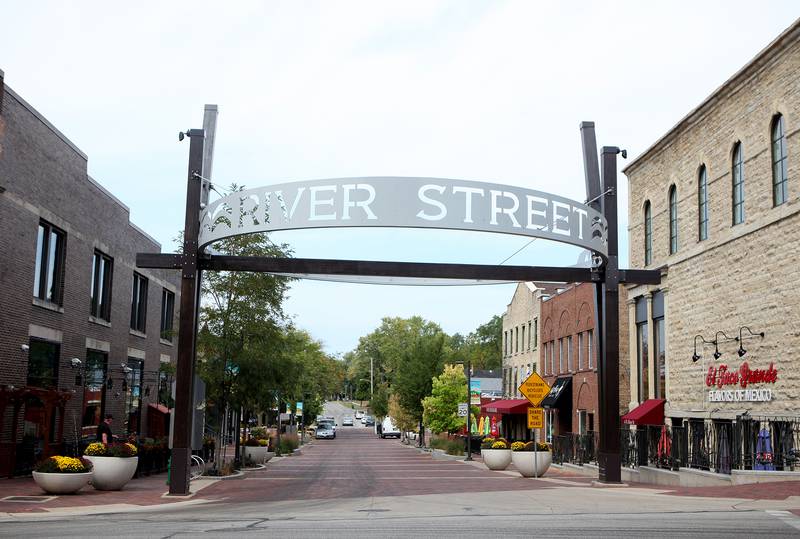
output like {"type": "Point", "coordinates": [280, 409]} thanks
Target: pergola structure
{"type": "Point", "coordinates": [406, 202]}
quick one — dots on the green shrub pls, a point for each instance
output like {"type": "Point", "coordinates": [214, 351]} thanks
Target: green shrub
{"type": "Point", "coordinates": [289, 442]}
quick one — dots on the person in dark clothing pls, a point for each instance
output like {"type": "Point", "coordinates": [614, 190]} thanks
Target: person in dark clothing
{"type": "Point", "coordinates": [104, 430]}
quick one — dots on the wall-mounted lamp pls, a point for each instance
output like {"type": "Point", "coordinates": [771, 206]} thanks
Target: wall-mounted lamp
{"type": "Point", "coordinates": [717, 353]}
{"type": "Point", "coordinates": [696, 357]}
{"type": "Point", "coordinates": [752, 333]}
{"type": "Point", "coordinates": [25, 347]}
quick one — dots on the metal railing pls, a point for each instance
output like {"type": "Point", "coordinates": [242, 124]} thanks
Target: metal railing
{"type": "Point", "coordinates": [746, 443]}
{"type": "Point", "coordinates": [575, 448]}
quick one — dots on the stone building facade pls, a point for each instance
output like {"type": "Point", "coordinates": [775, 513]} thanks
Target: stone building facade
{"type": "Point", "coordinates": [568, 360]}
{"type": "Point", "coordinates": [715, 205]}
{"type": "Point", "coordinates": [520, 337]}
{"type": "Point", "coordinates": [83, 332]}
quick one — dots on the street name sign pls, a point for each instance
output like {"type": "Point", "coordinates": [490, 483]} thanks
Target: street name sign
{"type": "Point", "coordinates": [534, 388]}
{"type": "Point", "coordinates": [535, 417]}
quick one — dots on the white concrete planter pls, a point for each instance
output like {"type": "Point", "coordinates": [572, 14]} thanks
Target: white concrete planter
{"type": "Point", "coordinates": [496, 459]}
{"type": "Point", "coordinates": [112, 473]}
{"type": "Point", "coordinates": [257, 455]}
{"type": "Point", "coordinates": [62, 483]}
{"type": "Point", "coordinates": [532, 463]}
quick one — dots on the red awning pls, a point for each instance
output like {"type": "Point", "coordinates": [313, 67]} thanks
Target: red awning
{"type": "Point", "coordinates": [508, 406]}
{"type": "Point", "coordinates": [650, 412]}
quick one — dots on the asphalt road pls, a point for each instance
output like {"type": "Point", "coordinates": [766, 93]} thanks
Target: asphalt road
{"type": "Point", "coordinates": [361, 486]}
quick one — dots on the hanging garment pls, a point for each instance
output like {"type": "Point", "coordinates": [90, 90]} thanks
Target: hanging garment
{"type": "Point", "coordinates": [664, 450]}
{"type": "Point", "coordinates": [480, 426]}
{"type": "Point", "coordinates": [763, 460]}
{"type": "Point", "coordinates": [495, 431]}
{"type": "Point", "coordinates": [723, 464]}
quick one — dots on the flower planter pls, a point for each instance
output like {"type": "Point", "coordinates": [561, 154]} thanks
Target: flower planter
{"type": "Point", "coordinates": [62, 483]}
{"type": "Point", "coordinates": [496, 459]}
{"type": "Point", "coordinates": [112, 473]}
{"type": "Point", "coordinates": [257, 455]}
{"type": "Point", "coordinates": [532, 463]}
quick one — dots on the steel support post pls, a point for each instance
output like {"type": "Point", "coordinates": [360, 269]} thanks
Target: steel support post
{"type": "Point", "coordinates": [187, 336]}
{"type": "Point", "coordinates": [469, 409]}
{"type": "Point", "coordinates": [608, 366]}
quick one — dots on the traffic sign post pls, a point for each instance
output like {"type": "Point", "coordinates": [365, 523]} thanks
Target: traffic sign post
{"type": "Point", "coordinates": [463, 409]}
{"type": "Point", "coordinates": [535, 389]}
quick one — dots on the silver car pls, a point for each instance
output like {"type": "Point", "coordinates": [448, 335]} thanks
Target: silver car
{"type": "Point", "coordinates": [347, 421]}
{"type": "Point", "coordinates": [325, 430]}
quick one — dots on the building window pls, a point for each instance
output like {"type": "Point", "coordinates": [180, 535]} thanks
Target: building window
{"type": "Point", "coordinates": [560, 355]}
{"type": "Point", "coordinates": [48, 281]}
{"type": "Point", "coordinates": [641, 349]}
{"type": "Point", "coordinates": [505, 344]}
{"type": "Point", "coordinates": [552, 357]}
{"type": "Point", "coordinates": [535, 332]}
{"type": "Point", "coordinates": [580, 351]}
{"type": "Point", "coordinates": [102, 269]}
{"type": "Point", "coordinates": [523, 337]}
{"type": "Point", "coordinates": [737, 175]}
{"type": "Point", "coordinates": [43, 363]}
{"type": "Point", "coordinates": [139, 303]}
{"type": "Point", "coordinates": [94, 390]}
{"type": "Point", "coordinates": [569, 353]}
{"type": "Point", "coordinates": [590, 346]}
{"type": "Point", "coordinates": [779, 171]}
{"type": "Point", "coordinates": [529, 335]}
{"type": "Point", "coordinates": [133, 394]}
{"type": "Point", "coordinates": [648, 234]}
{"type": "Point", "coordinates": [516, 377]}
{"type": "Point", "coordinates": [516, 340]}
{"type": "Point", "coordinates": [167, 314]}
{"type": "Point", "coordinates": [673, 220]}
{"type": "Point", "coordinates": [702, 204]}
{"type": "Point", "coordinates": [659, 335]}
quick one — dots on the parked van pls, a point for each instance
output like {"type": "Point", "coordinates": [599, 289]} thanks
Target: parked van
{"type": "Point", "coordinates": [388, 428]}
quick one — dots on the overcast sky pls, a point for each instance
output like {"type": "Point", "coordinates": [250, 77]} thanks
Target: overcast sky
{"type": "Point", "coordinates": [490, 91]}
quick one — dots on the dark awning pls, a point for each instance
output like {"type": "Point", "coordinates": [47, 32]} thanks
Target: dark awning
{"type": "Point", "coordinates": [650, 412]}
{"type": "Point", "coordinates": [508, 406]}
{"type": "Point", "coordinates": [561, 387]}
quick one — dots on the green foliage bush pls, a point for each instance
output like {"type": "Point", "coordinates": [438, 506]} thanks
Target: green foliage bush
{"type": "Point", "coordinates": [289, 442]}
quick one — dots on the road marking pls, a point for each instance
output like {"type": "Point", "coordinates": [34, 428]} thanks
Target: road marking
{"type": "Point", "coordinates": [384, 478]}
{"type": "Point", "coordinates": [787, 517]}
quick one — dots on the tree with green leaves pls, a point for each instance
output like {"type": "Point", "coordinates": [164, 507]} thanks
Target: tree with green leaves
{"type": "Point", "coordinates": [440, 409]}
{"type": "Point", "coordinates": [481, 347]}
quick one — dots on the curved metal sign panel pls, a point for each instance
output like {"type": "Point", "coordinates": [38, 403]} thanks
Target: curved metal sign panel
{"type": "Point", "coordinates": [408, 203]}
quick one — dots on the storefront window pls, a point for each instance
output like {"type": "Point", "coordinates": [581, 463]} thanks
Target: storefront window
{"type": "Point", "coordinates": [133, 400]}
{"type": "Point", "coordinates": [641, 349]}
{"type": "Point", "coordinates": [93, 390]}
{"type": "Point", "coordinates": [659, 330]}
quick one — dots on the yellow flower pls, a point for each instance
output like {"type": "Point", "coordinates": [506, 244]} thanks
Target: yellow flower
{"type": "Point", "coordinates": [499, 445]}
{"type": "Point", "coordinates": [96, 449]}
{"type": "Point", "coordinates": [517, 446]}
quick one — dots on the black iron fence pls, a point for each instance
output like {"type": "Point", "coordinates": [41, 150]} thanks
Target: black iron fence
{"type": "Point", "coordinates": [746, 443]}
{"type": "Point", "coordinates": [575, 448]}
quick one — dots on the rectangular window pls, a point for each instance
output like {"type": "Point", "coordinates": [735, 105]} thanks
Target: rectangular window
{"type": "Point", "coordinates": [560, 355]}
{"type": "Point", "coordinates": [43, 363]}
{"type": "Point", "coordinates": [139, 303]}
{"type": "Point", "coordinates": [102, 269]}
{"type": "Point", "coordinates": [590, 348]}
{"type": "Point", "coordinates": [167, 314]}
{"type": "Point", "coordinates": [133, 394]}
{"type": "Point", "coordinates": [535, 332]}
{"type": "Point", "coordinates": [569, 353]}
{"type": "Point", "coordinates": [505, 343]}
{"type": "Point", "coordinates": [580, 351]}
{"type": "Point", "coordinates": [516, 377]}
{"type": "Point", "coordinates": [50, 255]}
{"type": "Point", "coordinates": [583, 427]}
{"type": "Point", "coordinates": [94, 390]}
{"type": "Point", "coordinates": [659, 334]}
{"type": "Point", "coordinates": [523, 337]}
{"type": "Point", "coordinates": [642, 349]}
{"type": "Point", "coordinates": [552, 357]}
{"type": "Point", "coordinates": [529, 335]}
{"type": "Point", "coordinates": [516, 339]}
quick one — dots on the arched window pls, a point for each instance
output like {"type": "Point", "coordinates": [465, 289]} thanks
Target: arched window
{"type": "Point", "coordinates": [648, 234]}
{"type": "Point", "coordinates": [778, 161]}
{"type": "Point", "coordinates": [702, 204]}
{"type": "Point", "coordinates": [737, 188]}
{"type": "Point", "coordinates": [673, 220]}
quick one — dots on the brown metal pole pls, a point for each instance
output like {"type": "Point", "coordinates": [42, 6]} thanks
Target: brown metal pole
{"type": "Point", "coordinates": [608, 367]}
{"type": "Point", "coordinates": [187, 336]}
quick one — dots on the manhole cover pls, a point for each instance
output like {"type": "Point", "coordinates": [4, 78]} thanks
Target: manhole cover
{"type": "Point", "coordinates": [27, 499]}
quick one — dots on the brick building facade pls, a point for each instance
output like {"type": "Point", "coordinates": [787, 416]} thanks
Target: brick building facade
{"type": "Point", "coordinates": [82, 331]}
{"type": "Point", "coordinates": [568, 360]}
{"type": "Point", "coordinates": [520, 337]}
{"type": "Point", "coordinates": [715, 204]}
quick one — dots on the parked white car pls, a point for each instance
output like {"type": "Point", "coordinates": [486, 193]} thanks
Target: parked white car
{"type": "Point", "coordinates": [388, 428]}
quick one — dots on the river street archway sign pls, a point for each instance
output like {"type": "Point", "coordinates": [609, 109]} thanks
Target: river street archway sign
{"type": "Point", "coordinates": [414, 203]}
